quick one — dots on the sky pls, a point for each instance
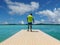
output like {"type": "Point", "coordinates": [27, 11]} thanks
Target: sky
{"type": "Point", "coordinates": [16, 11]}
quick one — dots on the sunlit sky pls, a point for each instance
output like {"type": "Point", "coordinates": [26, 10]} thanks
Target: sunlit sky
{"type": "Point", "coordinates": [16, 11]}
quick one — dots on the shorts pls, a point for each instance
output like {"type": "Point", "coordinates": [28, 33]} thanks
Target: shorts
{"type": "Point", "coordinates": [30, 23]}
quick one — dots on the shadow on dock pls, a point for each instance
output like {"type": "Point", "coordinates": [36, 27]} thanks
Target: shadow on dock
{"type": "Point", "coordinates": [35, 31]}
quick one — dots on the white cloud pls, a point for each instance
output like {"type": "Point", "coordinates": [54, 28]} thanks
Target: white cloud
{"type": "Point", "coordinates": [21, 8]}
{"type": "Point", "coordinates": [53, 15]}
{"type": "Point", "coordinates": [58, 21]}
{"type": "Point", "coordinates": [42, 21]}
{"type": "Point", "coordinates": [36, 22]}
{"type": "Point", "coordinates": [0, 6]}
{"type": "Point", "coordinates": [39, 21]}
{"type": "Point", "coordinates": [57, 11]}
{"type": "Point", "coordinates": [21, 22]}
{"type": "Point", "coordinates": [5, 22]}
{"type": "Point", "coordinates": [47, 13]}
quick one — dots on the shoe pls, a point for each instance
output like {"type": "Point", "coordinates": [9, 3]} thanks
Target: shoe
{"type": "Point", "coordinates": [27, 30]}
{"type": "Point", "coordinates": [31, 30]}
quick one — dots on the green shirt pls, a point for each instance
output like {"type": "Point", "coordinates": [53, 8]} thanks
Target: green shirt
{"type": "Point", "coordinates": [30, 18]}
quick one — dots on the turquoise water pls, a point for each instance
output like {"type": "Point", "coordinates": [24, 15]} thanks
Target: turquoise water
{"type": "Point", "coordinates": [7, 31]}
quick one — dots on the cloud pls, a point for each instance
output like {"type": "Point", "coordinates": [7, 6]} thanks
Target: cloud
{"type": "Point", "coordinates": [39, 21]}
{"type": "Point", "coordinates": [0, 6]}
{"type": "Point", "coordinates": [4, 22]}
{"type": "Point", "coordinates": [42, 21]}
{"type": "Point", "coordinates": [58, 21]}
{"type": "Point", "coordinates": [47, 13]}
{"type": "Point", "coordinates": [36, 22]}
{"type": "Point", "coordinates": [21, 22]}
{"type": "Point", "coordinates": [21, 8]}
{"type": "Point", "coordinates": [53, 15]}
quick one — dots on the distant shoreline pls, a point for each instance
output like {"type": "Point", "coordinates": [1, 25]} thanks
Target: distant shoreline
{"type": "Point", "coordinates": [27, 24]}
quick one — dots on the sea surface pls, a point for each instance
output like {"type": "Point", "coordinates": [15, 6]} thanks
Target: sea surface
{"type": "Point", "coordinates": [7, 31]}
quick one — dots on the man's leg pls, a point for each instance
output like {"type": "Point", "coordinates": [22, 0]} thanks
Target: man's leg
{"type": "Point", "coordinates": [28, 27]}
{"type": "Point", "coordinates": [31, 28]}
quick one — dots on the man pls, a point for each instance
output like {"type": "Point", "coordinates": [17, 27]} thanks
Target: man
{"type": "Point", "coordinates": [30, 19]}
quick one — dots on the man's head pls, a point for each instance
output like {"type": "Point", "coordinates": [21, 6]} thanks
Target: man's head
{"type": "Point", "coordinates": [31, 14]}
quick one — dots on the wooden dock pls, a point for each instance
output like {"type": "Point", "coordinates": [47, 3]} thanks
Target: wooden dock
{"type": "Point", "coordinates": [36, 37]}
